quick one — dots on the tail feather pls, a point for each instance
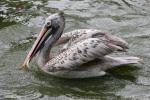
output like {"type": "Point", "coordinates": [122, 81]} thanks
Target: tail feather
{"type": "Point", "coordinates": [129, 60]}
{"type": "Point", "coordinates": [117, 61]}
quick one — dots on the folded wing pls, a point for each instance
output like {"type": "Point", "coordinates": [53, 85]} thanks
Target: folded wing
{"type": "Point", "coordinates": [82, 52]}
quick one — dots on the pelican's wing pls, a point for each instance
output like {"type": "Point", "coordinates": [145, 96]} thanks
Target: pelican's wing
{"type": "Point", "coordinates": [76, 35]}
{"type": "Point", "coordinates": [80, 53]}
{"type": "Point", "coordinates": [73, 37]}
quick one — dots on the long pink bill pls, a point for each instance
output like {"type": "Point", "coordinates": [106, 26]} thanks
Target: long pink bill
{"type": "Point", "coordinates": [34, 48]}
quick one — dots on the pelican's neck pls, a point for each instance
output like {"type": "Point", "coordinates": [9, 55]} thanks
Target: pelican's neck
{"type": "Point", "coordinates": [44, 53]}
{"type": "Point", "coordinates": [42, 57]}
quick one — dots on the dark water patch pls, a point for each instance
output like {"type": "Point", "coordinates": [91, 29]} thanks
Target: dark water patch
{"type": "Point", "coordinates": [125, 18]}
{"type": "Point", "coordinates": [5, 23]}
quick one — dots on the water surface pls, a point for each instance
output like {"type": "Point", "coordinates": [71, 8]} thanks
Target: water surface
{"type": "Point", "coordinates": [20, 20]}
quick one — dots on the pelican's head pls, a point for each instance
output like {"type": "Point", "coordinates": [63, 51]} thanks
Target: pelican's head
{"type": "Point", "coordinates": [50, 32]}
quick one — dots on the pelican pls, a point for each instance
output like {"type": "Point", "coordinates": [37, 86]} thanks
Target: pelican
{"type": "Point", "coordinates": [85, 53]}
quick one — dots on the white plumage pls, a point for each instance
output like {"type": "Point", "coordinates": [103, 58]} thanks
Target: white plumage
{"type": "Point", "coordinates": [85, 52]}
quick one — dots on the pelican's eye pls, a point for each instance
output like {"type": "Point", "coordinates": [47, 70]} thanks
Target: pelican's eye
{"type": "Point", "coordinates": [48, 24]}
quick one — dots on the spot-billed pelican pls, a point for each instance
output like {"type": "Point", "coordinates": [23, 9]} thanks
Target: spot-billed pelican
{"type": "Point", "coordinates": [85, 53]}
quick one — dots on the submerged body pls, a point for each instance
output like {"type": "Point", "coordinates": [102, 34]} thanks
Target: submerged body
{"type": "Point", "coordinates": [84, 52]}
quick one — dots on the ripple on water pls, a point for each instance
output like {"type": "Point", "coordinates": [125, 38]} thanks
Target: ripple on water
{"type": "Point", "coordinates": [135, 92]}
{"type": "Point", "coordinates": [143, 80]}
{"type": "Point", "coordinates": [126, 18]}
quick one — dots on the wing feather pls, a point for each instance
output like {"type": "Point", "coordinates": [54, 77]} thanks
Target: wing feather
{"type": "Point", "coordinates": [83, 34]}
{"type": "Point", "coordinates": [80, 53]}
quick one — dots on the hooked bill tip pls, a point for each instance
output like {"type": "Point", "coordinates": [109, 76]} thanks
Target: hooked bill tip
{"type": "Point", "coordinates": [25, 66]}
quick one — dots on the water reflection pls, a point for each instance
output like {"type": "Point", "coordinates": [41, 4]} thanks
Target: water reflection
{"type": "Point", "coordinates": [100, 87]}
{"type": "Point", "coordinates": [20, 21]}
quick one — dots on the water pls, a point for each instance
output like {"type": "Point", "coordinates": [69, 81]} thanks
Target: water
{"type": "Point", "coordinates": [20, 20]}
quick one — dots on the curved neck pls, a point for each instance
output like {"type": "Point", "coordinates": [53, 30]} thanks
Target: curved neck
{"type": "Point", "coordinates": [44, 53]}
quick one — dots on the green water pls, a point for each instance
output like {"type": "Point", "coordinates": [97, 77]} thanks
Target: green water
{"type": "Point", "coordinates": [20, 20]}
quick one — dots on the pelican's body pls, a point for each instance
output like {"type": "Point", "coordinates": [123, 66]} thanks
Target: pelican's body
{"type": "Point", "coordinates": [84, 53]}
